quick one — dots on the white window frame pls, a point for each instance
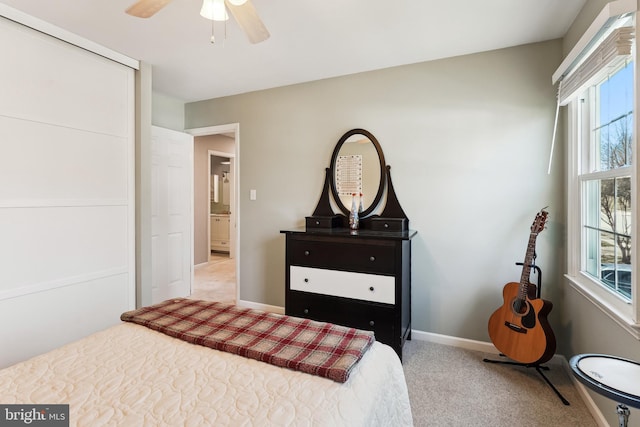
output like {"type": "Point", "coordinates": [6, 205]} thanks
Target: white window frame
{"type": "Point", "coordinates": [626, 314]}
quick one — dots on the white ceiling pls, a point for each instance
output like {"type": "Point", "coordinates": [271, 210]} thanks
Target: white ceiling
{"type": "Point", "coordinates": [310, 40]}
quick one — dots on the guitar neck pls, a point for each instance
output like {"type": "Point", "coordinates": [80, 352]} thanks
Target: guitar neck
{"type": "Point", "coordinates": [526, 268]}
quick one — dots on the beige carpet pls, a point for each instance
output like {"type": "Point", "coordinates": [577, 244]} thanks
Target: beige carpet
{"type": "Point", "coordinates": [449, 386]}
{"type": "Point", "coordinates": [215, 280]}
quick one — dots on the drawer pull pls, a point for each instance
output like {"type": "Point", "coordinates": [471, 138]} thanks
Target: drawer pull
{"type": "Point", "coordinates": [372, 258]}
{"type": "Point", "coordinates": [305, 311]}
{"type": "Point", "coordinates": [306, 280]}
{"type": "Point", "coordinates": [386, 225]}
{"type": "Point", "coordinates": [371, 288]}
{"type": "Point", "coordinates": [317, 222]}
{"type": "Point", "coordinates": [371, 323]}
{"type": "Point", "coordinates": [306, 253]}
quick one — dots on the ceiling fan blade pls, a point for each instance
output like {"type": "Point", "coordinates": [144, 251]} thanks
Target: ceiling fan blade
{"type": "Point", "coordinates": [146, 8]}
{"type": "Point", "coordinates": [248, 19]}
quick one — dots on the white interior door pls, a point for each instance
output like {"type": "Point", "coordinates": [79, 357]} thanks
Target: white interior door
{"type": "Point", "coordinates": [172, 201]}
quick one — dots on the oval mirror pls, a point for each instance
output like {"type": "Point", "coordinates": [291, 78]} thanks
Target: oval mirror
{"type": "Point", "coordinates": [357, 167]}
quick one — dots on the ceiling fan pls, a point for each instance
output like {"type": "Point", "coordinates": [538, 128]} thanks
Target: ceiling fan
{"type": "Point", "coordinates": [243, 11]}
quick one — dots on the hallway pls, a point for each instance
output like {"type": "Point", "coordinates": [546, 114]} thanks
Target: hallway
{"type": "Point", "coordinates": [215, 280]}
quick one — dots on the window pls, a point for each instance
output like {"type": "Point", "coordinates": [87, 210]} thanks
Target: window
{"type": "Point", "coordinates": [605, 178]}
{"type": "Point", "coordinates": [601, 176]}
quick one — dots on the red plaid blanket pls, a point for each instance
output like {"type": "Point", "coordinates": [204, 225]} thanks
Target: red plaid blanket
{"type": "Point", "coordinates": [316, 348]}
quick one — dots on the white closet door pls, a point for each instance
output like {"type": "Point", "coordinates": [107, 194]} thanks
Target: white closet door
{"type": "Point", "coordinates": [171, 201]}
{"type": "Point", "coordinates": [67, 185]}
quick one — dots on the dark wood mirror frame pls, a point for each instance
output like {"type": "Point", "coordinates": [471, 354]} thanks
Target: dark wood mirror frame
{"type": "Point", "coordinates": [334, 161]}
{"type": "Point", "coordinates": [392, 218]}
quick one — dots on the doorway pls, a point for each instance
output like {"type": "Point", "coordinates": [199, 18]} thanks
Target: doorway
{"type": "Point", "coordinates": [216, 213]}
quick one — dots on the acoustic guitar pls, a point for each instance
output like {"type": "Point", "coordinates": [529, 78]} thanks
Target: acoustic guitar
{"type": "Point", "coordinates": [519, 329]}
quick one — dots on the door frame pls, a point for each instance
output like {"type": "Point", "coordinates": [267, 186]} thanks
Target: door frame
{"type": "Point", "coordinates": [231, 129]}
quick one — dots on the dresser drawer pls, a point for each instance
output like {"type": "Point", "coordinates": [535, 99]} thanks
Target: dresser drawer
{"type": "Point", "coordinates": [369, 258]}
{"type": "Point", "coordinates": [346, 284]}
{"type": "Point", "coordinates": [359, 315]}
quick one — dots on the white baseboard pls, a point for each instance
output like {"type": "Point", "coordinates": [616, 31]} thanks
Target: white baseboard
{"type": "Point", "coordinates": [260, 306]}
{"type": "Point", "coordinates": [586, 398]}
{"type": "Point", "coordinates": [454, 341]}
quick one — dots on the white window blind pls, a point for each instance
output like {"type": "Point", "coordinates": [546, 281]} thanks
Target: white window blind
{"type": "Point", "coordinates": [608, 55]}
{"type": "Point", "coordinates": [606, 42]}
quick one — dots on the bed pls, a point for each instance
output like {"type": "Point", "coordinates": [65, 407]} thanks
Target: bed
{"type": "Point", "coordinates": [131, 374]}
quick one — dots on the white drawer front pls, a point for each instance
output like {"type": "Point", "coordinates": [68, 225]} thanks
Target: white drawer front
{"type": "Point", "coordinates": [368, 287]}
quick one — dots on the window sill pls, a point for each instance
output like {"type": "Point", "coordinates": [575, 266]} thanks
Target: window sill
{"type": "Point", "coordinates": [622, 319]}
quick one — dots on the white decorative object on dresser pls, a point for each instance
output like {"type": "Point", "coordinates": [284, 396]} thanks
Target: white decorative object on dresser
{"type": "Point", "coordinates": [354, 275]}
{"type": "Point", "coordinates": [219, 226]}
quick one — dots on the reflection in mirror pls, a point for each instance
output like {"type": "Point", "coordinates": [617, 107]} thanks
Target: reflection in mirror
{"type": "Point", "coordinates": [225, 188]}
{"type": "Point", "coordinates": [357, 170]}
{"type": "Point", "coordinates": [221, 184]}
{"type": "Point", "coordinates": [214, 186]}
{"type": "Point", "coordinates": [220, 190]}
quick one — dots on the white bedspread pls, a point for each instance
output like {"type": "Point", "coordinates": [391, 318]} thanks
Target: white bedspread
{"type": "Point", "coordinates": [129, 375]}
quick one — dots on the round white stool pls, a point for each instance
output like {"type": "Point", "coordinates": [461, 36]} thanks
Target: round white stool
{"type": "Point", "coordinates": [611, 376]}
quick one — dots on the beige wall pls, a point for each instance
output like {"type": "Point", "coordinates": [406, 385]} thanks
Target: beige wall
{"type": "Point", "coordinates": [201, 147]}
{"type": "Point", "coordinates": [587, 329]}
{"type": "Point", "coordinates": [468, 140]}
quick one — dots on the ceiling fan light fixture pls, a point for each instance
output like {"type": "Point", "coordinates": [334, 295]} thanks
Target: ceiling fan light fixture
{"type": "Point", "coordinates": [243, 11]}
{"type": "Point", "coordinates": [214, 10]}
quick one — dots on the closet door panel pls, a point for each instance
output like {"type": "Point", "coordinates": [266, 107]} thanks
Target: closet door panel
{"type": "Point", "coordinates": [42, 321]}
{"type": "Point", "coordinates": [54, 246]}
{"type": "Point", "coordinates": [67, 183]}
{"type": "Point", "coordinates": [60, 81]}
{"type": "Point", "coordinates": [42, 162]}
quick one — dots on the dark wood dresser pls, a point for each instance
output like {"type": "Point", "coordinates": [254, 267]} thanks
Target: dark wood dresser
{"type": "Point", "coordinates": [358, 279]}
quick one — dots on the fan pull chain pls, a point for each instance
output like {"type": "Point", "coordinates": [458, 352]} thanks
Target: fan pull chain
{"type": "Point", "coordinates": [213, 33]}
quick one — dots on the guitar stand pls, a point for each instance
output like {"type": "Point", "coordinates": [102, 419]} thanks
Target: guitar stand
{"type": "Point", "coordinates": [539, 368]}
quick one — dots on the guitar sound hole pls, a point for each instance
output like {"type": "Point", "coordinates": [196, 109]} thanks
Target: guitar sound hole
{"type": "Point", "coordinates": [520, 306]}
{"type": "Point", "coordinates": [526, 312]}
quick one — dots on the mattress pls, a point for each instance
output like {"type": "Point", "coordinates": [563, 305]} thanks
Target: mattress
{"type": "Point", "coordinates": [129, 375]}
